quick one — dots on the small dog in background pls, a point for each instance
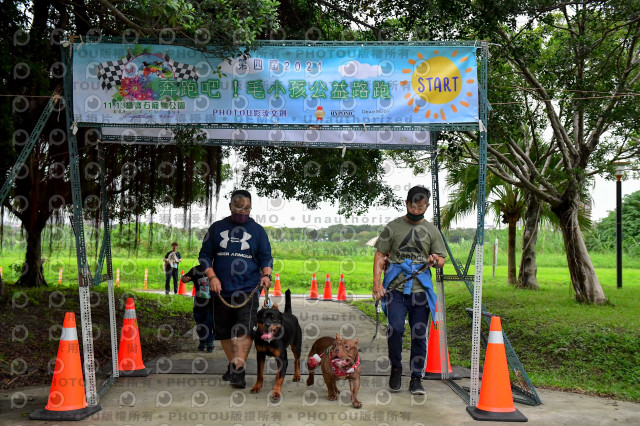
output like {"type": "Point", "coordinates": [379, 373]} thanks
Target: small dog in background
{"type": "Point", "coordinates": [339, 360]}
{"type": "Point", "coordinates": [275, 331]}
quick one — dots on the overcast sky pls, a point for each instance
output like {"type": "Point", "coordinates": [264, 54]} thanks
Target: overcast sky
{"type": "Point", "coordinates": [283, 213]}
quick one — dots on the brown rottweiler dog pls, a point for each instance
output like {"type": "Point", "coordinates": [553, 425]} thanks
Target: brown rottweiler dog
{"type": "Point", "coordinates": [339, 360]}
{"type": "Point", "coordinates": [275, 331]}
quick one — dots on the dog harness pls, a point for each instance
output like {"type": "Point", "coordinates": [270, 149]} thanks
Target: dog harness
{"type": "Point", "coordinates": [408, 268]}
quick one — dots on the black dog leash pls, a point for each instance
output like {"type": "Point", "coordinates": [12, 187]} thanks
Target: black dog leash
{"type": "Point", "coordinates": [420, 270]}
{"type": "Point", "coordinates": [377, 326]}
{"type": "Point", "coordinates": [229, 305]}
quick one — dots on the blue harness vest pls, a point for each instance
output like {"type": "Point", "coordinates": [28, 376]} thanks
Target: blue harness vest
{"type": "Point", "coordinates": [409, 268]}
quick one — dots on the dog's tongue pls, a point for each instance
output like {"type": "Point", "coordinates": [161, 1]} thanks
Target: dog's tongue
{"type": "Point", "coordinates": [267, 336]}
{"type": "Point", "coordinates": [340, 362]}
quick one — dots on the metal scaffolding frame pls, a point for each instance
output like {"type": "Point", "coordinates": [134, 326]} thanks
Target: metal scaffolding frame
{"type": "Point", "coordinates": [526, 392]}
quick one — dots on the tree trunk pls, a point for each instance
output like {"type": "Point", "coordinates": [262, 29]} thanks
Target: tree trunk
{"type": "Point", "coordinates": [511, 253]}
{"type": "Point", "coordinates": [583, 275]}
{"type": "Point", "coordinates": [32, 269]}
{"type": "Point", "coordinates": [528, 268]}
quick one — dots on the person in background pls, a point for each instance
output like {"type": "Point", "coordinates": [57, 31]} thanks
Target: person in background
{"type": "Point", "coordinates": [202, 308]}
{"type": "Point", "coordinates": [171, 263]}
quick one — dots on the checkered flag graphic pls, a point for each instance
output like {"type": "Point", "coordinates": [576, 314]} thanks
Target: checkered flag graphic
{"type": "Point", "coordinates": [182, 71]}
{"type": "Point", "coordinates": [109, 72]}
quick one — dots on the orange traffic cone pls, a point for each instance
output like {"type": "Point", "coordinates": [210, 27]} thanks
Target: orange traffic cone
{"type": "Point", "coordinates": [496, 400]}
{"type": "Point", "coordinates": [182, 288]}
{"type": "Point", "coordinates": [342, 291]}
{"type": "Point", "coordinates": [193, 291]}
{"type": "Point", "coordinates": [313, 294]}
{"type": "Point", "coordinates": [130, 352]}
{"type": "Point", "coordinates": [277, 291]}
{"type": "Point", "coordinates": [327, 289]}
{"type": "Point", "coordinates": [433, 368]}
{"type": "Point", "coordinates": [67, 399]}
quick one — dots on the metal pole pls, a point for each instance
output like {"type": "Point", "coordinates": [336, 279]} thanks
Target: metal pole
{"type": "Point", "coordinates": [619, 229]}
{"type": "Point", "coordinates": [495, 257]}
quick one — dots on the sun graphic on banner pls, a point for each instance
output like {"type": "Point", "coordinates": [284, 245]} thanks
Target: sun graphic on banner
{"type": "Point", "coordinates": [437, 85]}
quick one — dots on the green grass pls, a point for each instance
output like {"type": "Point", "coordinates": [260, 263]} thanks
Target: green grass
{"type": "Point", "coordinates": [296, 273]}
{"type": "Point", "coordinates": [560, 343]}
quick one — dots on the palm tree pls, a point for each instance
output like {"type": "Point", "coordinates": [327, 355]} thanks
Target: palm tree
{"type": "Point", "coordinates": [505, 200]}
{"type": "Point", "coordinates": [509, 204]}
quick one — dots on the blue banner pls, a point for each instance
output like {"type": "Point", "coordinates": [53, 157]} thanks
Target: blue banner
{"type": "Point", "coordinates": [383, 84]}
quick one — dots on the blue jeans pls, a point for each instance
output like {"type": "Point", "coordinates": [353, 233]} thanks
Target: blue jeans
{"type": "Point", "coordinates": [203, 316]}
{"type": "Point", "coordinates": [173, 272]}
{"type": "Point", "coordinates": [417, 306]}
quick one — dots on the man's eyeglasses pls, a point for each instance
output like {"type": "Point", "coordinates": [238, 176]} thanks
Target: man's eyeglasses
{"type": "Point", "coordinates": [417, 207]}
{"type": "Point", "coordinates": [241, 209]}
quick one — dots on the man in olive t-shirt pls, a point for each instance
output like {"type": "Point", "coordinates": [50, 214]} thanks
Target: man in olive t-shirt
{"type": "Point", "coordinates": [407, 243]}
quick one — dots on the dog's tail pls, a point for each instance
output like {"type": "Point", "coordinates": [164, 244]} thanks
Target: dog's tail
{"type": "Point", "coordinates": [287, 302]}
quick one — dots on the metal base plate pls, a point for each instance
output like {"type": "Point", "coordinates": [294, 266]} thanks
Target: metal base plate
{"type": "Point", "coordinates": [143, 372]}
{"type": "Point", "coordinates": [438, 376]}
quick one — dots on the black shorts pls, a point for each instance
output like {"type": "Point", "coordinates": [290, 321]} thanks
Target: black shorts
{"type": "Point", "coordinates": [234, 322]}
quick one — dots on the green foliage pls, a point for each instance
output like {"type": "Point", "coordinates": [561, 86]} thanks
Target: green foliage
{"type": "Point", "coordinates": [604, 234]}
{"type": "Point", "coordinates": [310, 176]}
{"type": "Point", "coordinates": [297, 255]}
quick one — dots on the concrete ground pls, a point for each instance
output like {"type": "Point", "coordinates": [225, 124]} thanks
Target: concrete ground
{"type": "Point", "coordinates": [187, 390]}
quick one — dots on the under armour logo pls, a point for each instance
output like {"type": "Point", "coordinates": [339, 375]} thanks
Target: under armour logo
{"type": "Point", "coordinates": [225, 240]}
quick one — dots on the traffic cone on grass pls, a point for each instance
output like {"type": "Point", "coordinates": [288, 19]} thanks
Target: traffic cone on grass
{"type": "Point", "coordinates": [193, 291]}
{"type": "Point", "coordinates": [313, 293]}
{"type": "Point", "coordinates": [277, 290]}
{"type": "Point", "coordinates": [342, 291]}
{"type": "Point", "coordinates": [67, 399]}
{"type": "Point", "coordinates": [327, 289]}
{"type": "Point", "coordinates": [496, 400]}
{"type": "Point", "coordinates": [130, 352]}
{"type": "Point", "coordinates": [433, 368]}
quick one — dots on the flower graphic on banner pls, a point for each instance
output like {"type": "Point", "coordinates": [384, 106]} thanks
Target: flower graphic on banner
{"type": "Point", "coordinates": [136, 88]}
{"type": "Point", "coordinates": [143, 75]}
{"type": "Point", "coordinates": [439, 81]}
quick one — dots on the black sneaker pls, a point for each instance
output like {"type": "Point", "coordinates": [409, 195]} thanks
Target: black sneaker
{"type": "Point", "coordinates": [202, 346]}
{"type": "Point", "coordinates": [415, 386]}
{"type": "Point", "coordinates": [237, 379]}
{"type": "Point", "coordinates": [227, 376]}
{"type": "Point", "coordinates": [395, 380]}
{"type": "Point", "coordinates": [210, 347]}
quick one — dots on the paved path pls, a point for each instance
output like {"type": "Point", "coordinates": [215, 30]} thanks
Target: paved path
{"type": "Point", "coordinates": [178, 397]}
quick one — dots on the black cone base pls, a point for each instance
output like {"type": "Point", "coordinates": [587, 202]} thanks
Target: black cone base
{"type": "Point", "coordinates": [70, 415]}
{"type": "Point", "coordinates": [490, 416]}
{"type": "Point", "coordinates": [437, 376]}
{"type": "Point", "coordinates": [143, 372]}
